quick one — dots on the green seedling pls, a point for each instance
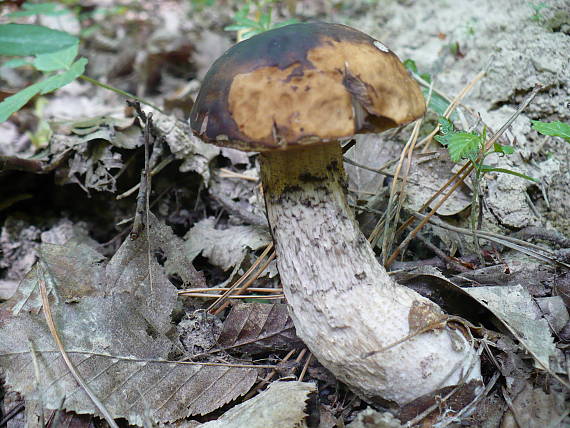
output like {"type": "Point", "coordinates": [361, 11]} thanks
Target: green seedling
{"type": "Point", "coordinates": [472, 147]}
{"type": "Point", "coordinates": [553, 129]}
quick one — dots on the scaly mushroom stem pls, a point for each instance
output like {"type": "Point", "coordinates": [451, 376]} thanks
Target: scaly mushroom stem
{"type": "Point", "coordinates": [343, 303]}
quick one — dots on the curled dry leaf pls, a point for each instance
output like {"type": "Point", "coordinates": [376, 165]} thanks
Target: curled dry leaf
{"type": "Point", "coordinates": [117, 334]}
{"type": "Point", "coordinates": [258, 327]}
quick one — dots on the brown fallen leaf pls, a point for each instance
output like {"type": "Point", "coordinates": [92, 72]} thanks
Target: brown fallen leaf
{"type": "Point", "coordinates": [258, 327]}
{"type": "Point", "coordinates": [117, 333]}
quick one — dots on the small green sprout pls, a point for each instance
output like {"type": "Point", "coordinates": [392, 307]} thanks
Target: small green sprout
{"type": "Point", "coordinates": [471, 146]}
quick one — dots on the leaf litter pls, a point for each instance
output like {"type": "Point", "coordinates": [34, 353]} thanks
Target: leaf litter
{"type": "Point", "coordinates": [116, 327]}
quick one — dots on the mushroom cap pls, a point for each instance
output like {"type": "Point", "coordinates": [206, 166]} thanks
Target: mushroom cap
{"type": "Point", "coordinates": [303, 84]}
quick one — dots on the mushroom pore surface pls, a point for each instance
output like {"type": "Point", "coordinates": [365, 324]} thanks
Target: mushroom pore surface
{"type": "Point", "coordinates": [343, 303]}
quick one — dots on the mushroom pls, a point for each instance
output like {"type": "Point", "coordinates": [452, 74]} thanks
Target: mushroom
{"type": "Point", "coordinates": [291, 94]}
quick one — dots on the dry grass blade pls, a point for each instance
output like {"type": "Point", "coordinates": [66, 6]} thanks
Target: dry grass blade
{"type": "Point", "coordinates": [71, 367]}
{"type": "Point", "coordinates": [398, 189]}
{"type": "Point", "coordinates": [246, 279]}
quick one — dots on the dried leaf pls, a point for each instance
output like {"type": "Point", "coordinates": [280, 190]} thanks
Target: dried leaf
{"type": "Point", "coordinates": [281, 405]}
{"type": "Point", "coordinates": [196, 154]}
{"type": "Point", "coordinates": [223, 247]}
{"type": "Point", "coordinates": [516, 308]}
{"type": "Point", "coordinates": [119, 341]}
{"type": "Point", "coordinates": [426, 178]}
{"type": "Point", "coordinates": [536, 409]}
{"type": "Point", "coordinates": [258, 327]}
{"type": "Point", "coordinates": [76, 267]}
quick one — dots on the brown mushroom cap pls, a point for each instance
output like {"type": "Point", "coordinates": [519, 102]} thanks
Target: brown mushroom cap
{"type": "Point", "coordinates": [301, 84]}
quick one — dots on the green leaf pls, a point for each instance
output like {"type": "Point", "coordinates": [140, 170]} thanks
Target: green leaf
{"type": "Point", "coordinates": [487, 168]}
{"type": "Point", "coordinates": [23, 40]}
{"type": "Point", "coordinates": [236, 27]}
{"type": "Point", "coordinates": [437, 103]}
{"type": "Point", "coordinates": [284, 23]}
{"type": "Point", "coordinates": [16, 62]}
{"type": "Point", "coordinates": [410, 65]}
{"type": "Point", "coordinates": [59, 60]}
{"type": "Point", "coordinates": [57, 81]}
{"type": "Point", "coordinates": [48, 9]}
{"type": "Point", "coordinates": [553, 129]}
{"type": "Point", "coordinates": [445, 125]}
{"type": "Point", "coordinates": [461, 145]}
{"type": "Point", "coordinates": [505, 150]}
{"type": "Point", "coordinates": [265, 20]}
{"type": "Point", "coordinates": [251, 33]}
{"type": "Point", "coordinates": [15, 102]}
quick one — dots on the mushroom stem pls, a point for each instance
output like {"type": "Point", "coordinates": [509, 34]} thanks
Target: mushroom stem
{"type": "Point", "coordinates": [354, 318]}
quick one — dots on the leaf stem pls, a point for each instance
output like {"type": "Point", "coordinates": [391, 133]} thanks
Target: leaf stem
{"type": "Point", "coordinates": [120, 92]}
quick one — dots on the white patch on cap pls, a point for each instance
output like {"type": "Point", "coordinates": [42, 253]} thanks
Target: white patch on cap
{"type": "Point", "coordinates": [381, 46]}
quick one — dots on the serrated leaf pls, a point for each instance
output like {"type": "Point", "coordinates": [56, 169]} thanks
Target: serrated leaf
{"type": "Point", "coordinates": [410, 65]}
{"type": "Point", "coordinates": [15, 102]}
{"type": "Point", "coordinates": [437, 103]}
{"type": "Point", "coordinates": [553, 129]}
{"type": "Point", "coordinates": [59, 60]}
{"type": "Point", "coordinates": [23, 40]}
{"type": "Point", "coordinates": [257, 327]}
{"type": "Point", "coordinates": [462, 145]}
{"type": "Point", "coordinates": [236, 27]}
{"type": "Point", "coordinates": [284, 23]}
{"type": "Point", "coordinates": [265, 20]}
{"type": "Point", "coordinates": [445, 125]}
{"type": "Point", "coordinates": [55, 82]}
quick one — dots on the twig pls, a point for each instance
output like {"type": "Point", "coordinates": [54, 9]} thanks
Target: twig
{"type": "Point", "coordinates": [207, 289]}
{"type": "Point", "coordinates": [235, 296]}
{"type": "Point", "coordinates": [510, 242]}
{"type": "Point", "coordinates": [68, 362]}
{"type": "Point", "coordinates": [12, 413]}
{"type": "Point", "coordinates": [14, 163]}
{"type": "Point", "coordinates": [305, 367]}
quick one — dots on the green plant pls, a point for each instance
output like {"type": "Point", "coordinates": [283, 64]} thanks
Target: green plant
{"type": "Point", "coordinates": [53, 53]}
{"type": "Point", "coordinates": [262, 19]}
{"type": "Point", "coordinates": [437, 103]}
{"type": "Point", "coordinates": [537, 8]}
{"type": "Point", "coordinates": [472, 146]}
{"type": "Point", "coordinates": [553, 129]}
